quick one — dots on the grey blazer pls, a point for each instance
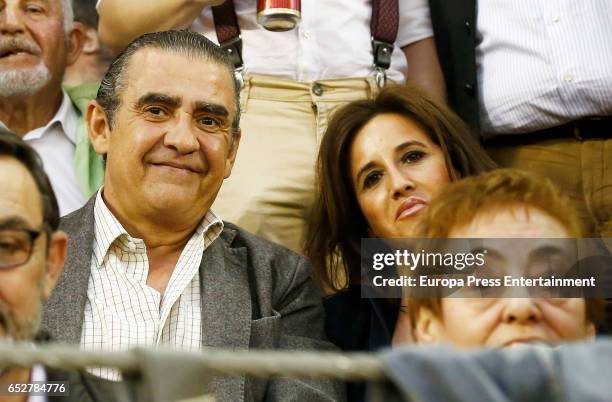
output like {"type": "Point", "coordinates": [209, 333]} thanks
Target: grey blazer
{"type": "Point", "coordinates": [255, 294]}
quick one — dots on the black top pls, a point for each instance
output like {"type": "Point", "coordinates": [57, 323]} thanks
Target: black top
{"type": "Point", "coordinates": [354, 323]}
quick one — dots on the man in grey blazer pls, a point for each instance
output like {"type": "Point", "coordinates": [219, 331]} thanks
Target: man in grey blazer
{"type": "Point", "coordinates": [148, 262]}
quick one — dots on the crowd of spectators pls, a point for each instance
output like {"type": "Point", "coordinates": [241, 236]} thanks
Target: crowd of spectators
{"type": "Point", "coordinates": [215, 199]}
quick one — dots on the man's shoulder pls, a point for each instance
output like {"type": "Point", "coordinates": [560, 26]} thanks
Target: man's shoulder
{"type": "Point", "coordinates": [267, 259]}
{"type": "Point", "coordinates": [235, 236]}
{"type": "Point", "coordinates": [79, 220]}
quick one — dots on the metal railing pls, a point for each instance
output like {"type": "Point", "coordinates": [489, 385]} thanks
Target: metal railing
{"type": "Point", "coordinates": [253, 363]}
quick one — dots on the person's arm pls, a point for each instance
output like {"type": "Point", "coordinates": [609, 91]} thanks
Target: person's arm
{"type": "Point", "coordinates": [122, 21]}
{"type": "Point", "coordinates": [415, 37]}
{"type": "Point", "coordinates": [424, 68]}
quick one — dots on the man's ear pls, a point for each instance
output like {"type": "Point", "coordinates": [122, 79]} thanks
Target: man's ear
{"type": "Point", "coordinates": [56, 256]}
{"type": "Point", "coordinates": [98, 127]}
{"type": "Point", "coordinates": [233, 151]}
{"type": "Point", "coordinates": [74, 42]}
{"type": "Point", "coordinates": [91, 41]}
{"type": "Point", "coordinates": [428, 327]}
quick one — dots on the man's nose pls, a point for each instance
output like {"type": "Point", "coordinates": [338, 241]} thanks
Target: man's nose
{"type": "Point", "coordinates": [521, 311]}
{"type": "Point", "coordinates": [182, 135]}
{"type": "Point", "coordinates": [11, 20]}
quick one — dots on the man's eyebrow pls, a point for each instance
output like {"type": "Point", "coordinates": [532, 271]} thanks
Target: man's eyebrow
{"type": "Point", "coordinates": [212, 108]}
{"type": "Point", "coordinates": [157, 98]}
{"type": "Point", "coordinates": [43, 2]}
{"type": "Point", "coordinates": [14, 221]}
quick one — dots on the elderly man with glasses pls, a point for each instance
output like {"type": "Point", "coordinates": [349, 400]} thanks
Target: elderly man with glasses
{"type": "Point", "coordinates": [32, 253]}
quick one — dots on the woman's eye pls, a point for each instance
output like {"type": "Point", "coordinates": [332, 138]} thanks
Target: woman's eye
{"type": "Point", "coordinates": [412, 156]}
{"type": "Point", "coordinates": [371, 179]}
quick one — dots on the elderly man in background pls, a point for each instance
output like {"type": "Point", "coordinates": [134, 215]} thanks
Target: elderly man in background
{"type": "Point", "coordinates": [149, 263]}
{"type": "Point", "coordinates": [32, 253]}
{"type": "Point", "coordinates": [37, 42]}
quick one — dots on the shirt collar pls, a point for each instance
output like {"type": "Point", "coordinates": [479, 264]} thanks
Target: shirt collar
{"type": "Point", "coordinates": [66, 116]}
{"type": "Point", "coordinates": [107, 229]}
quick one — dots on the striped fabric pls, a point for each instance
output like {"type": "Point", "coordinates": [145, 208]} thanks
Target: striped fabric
{"type": "Point", "coordinates": [122, 311]}
{"type": "Point", "coordinates": [542, 63]}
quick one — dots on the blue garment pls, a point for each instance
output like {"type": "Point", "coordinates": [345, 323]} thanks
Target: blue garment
{"type": "Point", "coordinates": [569, 373]}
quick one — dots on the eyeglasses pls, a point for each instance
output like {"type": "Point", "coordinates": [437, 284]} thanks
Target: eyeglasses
{"type": "Point", "coordinates": [16, 246]}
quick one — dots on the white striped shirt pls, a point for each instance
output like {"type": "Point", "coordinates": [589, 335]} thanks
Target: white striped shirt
{"type": "Point", "coordinates": [542, 63]}
{"type": "Point", "coordinates": [55, 143]}
{"type": "Point", "coordinates": [122, 311]}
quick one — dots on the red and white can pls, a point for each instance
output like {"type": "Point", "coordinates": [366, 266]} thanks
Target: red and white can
{"type": "Point", "coordinates": [279, 15]}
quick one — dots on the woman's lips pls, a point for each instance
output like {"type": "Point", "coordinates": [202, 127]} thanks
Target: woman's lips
{"type": "Point", "coordinates": [409, 207]}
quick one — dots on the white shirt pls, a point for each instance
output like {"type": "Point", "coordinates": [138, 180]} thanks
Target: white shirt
{"type": "Point", "coordinates": [543, 63]}
{"type": "Point", "coordinates": [122, 311]}
{"type": "Point", "coordinates": [55, 143]}
{"type": "Point", "coordinates": [332, 39]}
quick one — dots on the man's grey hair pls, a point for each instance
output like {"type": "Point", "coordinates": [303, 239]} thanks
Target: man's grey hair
{"type": "Point", "coordinates": [191, 44]}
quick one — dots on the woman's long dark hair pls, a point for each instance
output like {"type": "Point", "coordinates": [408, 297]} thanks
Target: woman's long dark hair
{"type": "Point", "coordinates": [337, 224]}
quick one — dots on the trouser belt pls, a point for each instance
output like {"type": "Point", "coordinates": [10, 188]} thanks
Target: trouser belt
{"type": "Point", "coordinates": [598, 127]}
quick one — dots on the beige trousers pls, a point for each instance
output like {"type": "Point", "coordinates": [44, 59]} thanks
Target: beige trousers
{"type": "Point", "coordinates": [583, 169]}
{"type": "Point", "coordinates": [271, 189]}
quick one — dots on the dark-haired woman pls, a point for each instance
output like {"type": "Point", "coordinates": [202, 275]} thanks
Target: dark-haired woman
{"type": "Point", "coordinates": [380, 163]}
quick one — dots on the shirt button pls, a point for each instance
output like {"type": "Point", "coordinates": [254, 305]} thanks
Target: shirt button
{"type": "Point", "coordinates": [306, 35]}
{"type": "Point", "coordinates": [568, 77]}
{"type": "Point", "coordinates": [317, 89]}
{"type": "Point", "coordinates": [555, 19]}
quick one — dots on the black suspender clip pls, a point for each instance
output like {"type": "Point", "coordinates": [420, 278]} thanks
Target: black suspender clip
{"type": "Point", "coordinates": [381, 51]}
{"type": "Point", "coordinates": [233, 48]}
